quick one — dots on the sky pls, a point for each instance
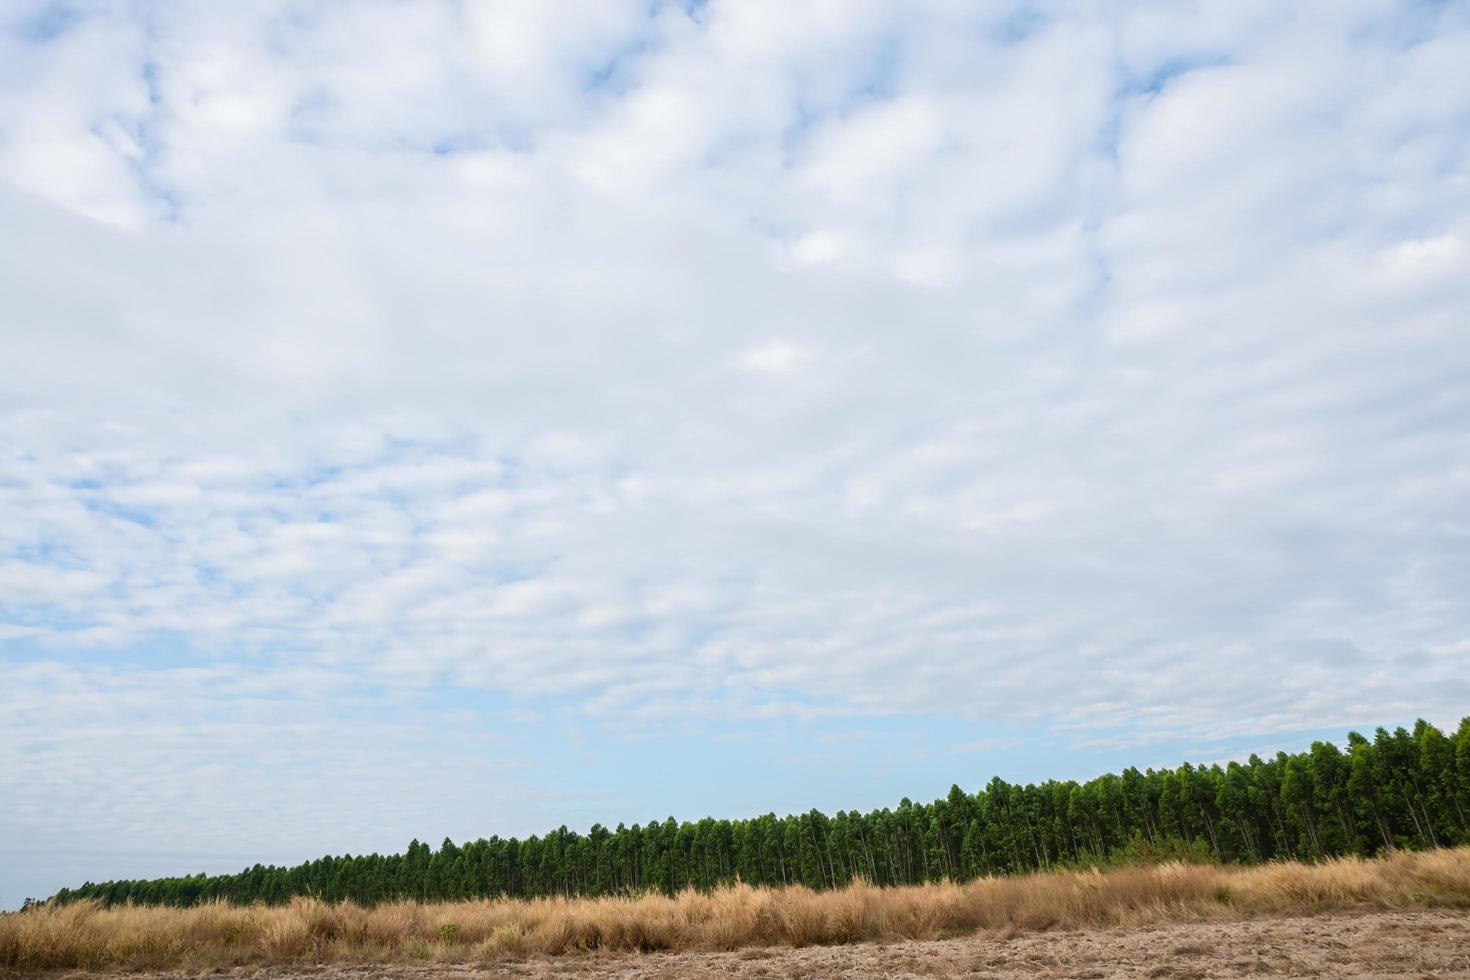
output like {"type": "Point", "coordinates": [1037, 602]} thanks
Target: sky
{"type": "Point", "coordinates": [454, 419]}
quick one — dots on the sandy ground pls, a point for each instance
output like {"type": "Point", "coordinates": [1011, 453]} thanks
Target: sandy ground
{"type": "Point", "coordinates": [1416, 944]}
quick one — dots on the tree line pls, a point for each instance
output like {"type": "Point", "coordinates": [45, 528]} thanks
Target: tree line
{"type": "Point", "coordinates": [1401, 789]}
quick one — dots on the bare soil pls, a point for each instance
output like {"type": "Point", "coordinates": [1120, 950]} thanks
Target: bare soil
{"type": "Point", "coordinates": [1418, 944]}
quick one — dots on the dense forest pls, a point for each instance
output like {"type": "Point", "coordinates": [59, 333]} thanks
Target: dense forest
{"type": "Point", "coordinates": [1400, 789]}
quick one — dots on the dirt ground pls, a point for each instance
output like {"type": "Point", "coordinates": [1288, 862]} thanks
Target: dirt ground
{"type": "Point", "coordinates": [1417, 944]}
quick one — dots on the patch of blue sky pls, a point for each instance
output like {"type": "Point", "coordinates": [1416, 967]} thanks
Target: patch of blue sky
{"type": "Point", "coordinates": [48, 23]}
{"type": "Point", "coordinates": [43, 552]}
{"type": "Point", "coordinates": [1405, 25]}
{"type": "Point", "coordinates": [614, 77]}
{"type": "Point", "coordinates": [695, 769]}
{"type": "Point", "coordinates": [1021, 24]}
{"type": "Point", "coordinates": [33, 872]}
{"type": "Point", "coordinates": [164, 650]}
{"type": "Point", "coordinates": [141, 516]}
{"type": "Point", "coordinates": [29, 647]}
{"type": "Point", "coordinates": [309, 112]}
{"type": "Point", "coordinates": [880, 81]}
{"type": "Point", "coordinates": [151, 72]}
{"type": "Point", "coordinates": [1158, 77]}
{"type": "Point", "coordinates": [694, 8]}
{"type": "Point", "coordinates": [885, 68]}
{"type": "Point", "coordinates": [450, 144]}
{"type": "Point", "coordinates": [1126, 745]}
{"type": "Point", "coordinates": [864, 763]}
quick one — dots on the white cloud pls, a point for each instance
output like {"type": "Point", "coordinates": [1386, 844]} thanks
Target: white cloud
{"type": "Point", "coordinates": [773, 357]}
{"type": "Point", "coordinates": [1413, 262]}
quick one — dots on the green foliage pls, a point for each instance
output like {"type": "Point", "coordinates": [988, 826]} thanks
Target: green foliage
{"type": "Point", "coordinates": [1399, 790]}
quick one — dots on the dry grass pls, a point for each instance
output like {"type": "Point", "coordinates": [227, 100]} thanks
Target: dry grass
{"type": "Point", "coordinates": [87, 936]}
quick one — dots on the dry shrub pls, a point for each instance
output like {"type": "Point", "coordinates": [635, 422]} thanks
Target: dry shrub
{"type": "Point", "coordinates": [724, 919]}
{"type": "Point", "coordinates": [506, 940]}
{"type": "Point", "coordinates": [85, 935]}
{"type": "Point", "coordinates": [797, 917]}
{"type": "Point", "coordinates": [925, 911]}
{"type": "Point", "coordinates": [1343, 881]}
{"type": "Point", "coordinates": [853, 914]}
{"type": "Point", "coordinates": [285, 938]}
{"type": "Point", "coordinates": [388, 924]}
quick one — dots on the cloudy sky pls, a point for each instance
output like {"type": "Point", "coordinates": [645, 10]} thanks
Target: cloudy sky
{"type": "Point", "coordinates": [427, 419]}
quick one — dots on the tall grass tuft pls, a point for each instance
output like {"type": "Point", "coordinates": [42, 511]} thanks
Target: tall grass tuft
{"type": "Point", "coordinates": [87, 936]}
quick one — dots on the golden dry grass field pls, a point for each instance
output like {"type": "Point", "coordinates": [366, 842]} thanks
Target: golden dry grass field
{"type": "Point", "coordinates": [1422, 895]}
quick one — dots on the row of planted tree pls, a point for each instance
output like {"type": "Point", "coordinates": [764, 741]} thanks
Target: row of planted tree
{"type": "Point", "coordinates": [1400, 789]}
